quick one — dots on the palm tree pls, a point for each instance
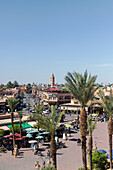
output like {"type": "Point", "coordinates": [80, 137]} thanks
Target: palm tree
{"type": "Point", "coordinates": [20, 115]}
{"type": "Point", "coordinates": [91, 126]}
{"type": "Point", "coordinates": [12, 102]}
{"type": "Point", "coordinates": [51, 124]}
{"type": "Point", "coordinates": [82, 89]}
{"type": "Point", "coordinates": [107, 103]}
{"type": "Point", "coordinates": [39, 109]}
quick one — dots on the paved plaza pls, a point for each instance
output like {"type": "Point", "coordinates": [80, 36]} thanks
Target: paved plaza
{"type": "Point", "coordinates": [68, 158]}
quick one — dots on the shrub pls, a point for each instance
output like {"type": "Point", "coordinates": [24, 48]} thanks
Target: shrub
{"type": "Point", "coordinates": [48, 168]}
{"type": "Point", "coordinates": [99, 160]}
{"type": "Point", "coordinates": [1, 132]}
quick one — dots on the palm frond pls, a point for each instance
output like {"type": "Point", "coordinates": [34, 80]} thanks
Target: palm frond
{"type": "Point", "coordinates": [49, 123]}
{"type": "Point", "coordinates": [12, 102]}
{"type": "Point", "coordinates": [107, 102]}
{"type": "Point", "coordinates": [91, 125]}
{"type": "Point", "coordinates": [81, 86]}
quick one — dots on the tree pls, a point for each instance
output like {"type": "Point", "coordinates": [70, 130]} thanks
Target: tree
{"type": "Point", "coordinates": [39, 109]}
{"type": "Point", "coordinates": [29, 88]}
{"type": "Point", "coordinates": [91, 126]}
{"type": "Point", "coordinates": [16, 128]}
{"type": "Point", "coordinates": [20, 115]}
{"type": "Point", "coordinates": [15, 84]}
{"type": "Point", "coordinates": [51, 124]}
{"type": "Point", "coordinates": [1, 132]}
{"type": "Point", "coordinates": [12, 102]}
{"type": "Point", "coordinates": [82, 88]}
{"type": "Point", "coordinates": [9, 85]}
{"type": "Point", "coordinates": [107, 104]}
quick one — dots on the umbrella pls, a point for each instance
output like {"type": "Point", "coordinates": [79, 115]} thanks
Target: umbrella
{"type": "Point", "coordinates": [11, 138]}
{"type": "Point", "coordinates": [32, 141]}
{"type": "Point", "coordinates": [112, 151]}
{"type": "Point", "coordinates": [17, 135]}
{"type": "Point", "coordinates": [18, 138]}
{"type": "Point", "coordinates": [45, 133]}
{"type": "Point", "coordinates": [41, 129]}
{"type": "Point", "coordinates": [39, 137]}
{"type": "Point", "coordinates": [8, 136]}
{"type": "Point", "coordinates": [33, 131]}
{"type": "Point", "coordinates": [108, 157]}
{"type": "Point", "coordinates": [67, 125]}
{"type": "Point", "coordinates": [102, 151]}
{"type": "Point", "coordinates": [25, 137]}
{"type": "Point", "coordinates": [39, 134]}
{"type": "Point", "coordinates": [29, 135]}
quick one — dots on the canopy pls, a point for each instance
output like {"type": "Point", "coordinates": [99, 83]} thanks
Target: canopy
{"type": "Point", "coordinates": [18, 138]}
{"type": "Point", "coordinates": [32, 123]}
{"type": "Point", "coordinates": [31, 130]}
{"type": "Point", "coordinates": [29, 135]}
{"type": "Point", "coordinates": [67, 125]}
{"type": "Point", "coordinates": [39, 134]}
{"type": "Point", "coordinates": [17, 135]}
{"type": "Point", "coordinates": [112, 151]}
{"type": "Point", "coordinates": [23, 137]}
{"type": "Point", "coordinates": [4, 127]}
{"type": "Point", "coordinates": [45, 133]}
{"type": "Point", "coordinates": [8, 136]}
{"type": "Point", "coordinates": [108, 157]}
{"type": "Point", "coordinates": [24, 125]}
{"type": "Point", "coordinates": [41, 129]}
{"type": "Point", "coordinates": [32, 141]}
{"type": "Point", "coordinates": [102, 151]}
{"type": "Point", "coordinates": [39, 137]}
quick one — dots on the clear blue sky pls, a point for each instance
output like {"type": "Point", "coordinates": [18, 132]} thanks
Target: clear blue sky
{"type": "Point", "coordinates": [39, 37]}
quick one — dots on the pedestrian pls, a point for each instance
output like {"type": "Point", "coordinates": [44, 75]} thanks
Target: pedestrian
{"type": "Point", "coordinates": [15, 151]}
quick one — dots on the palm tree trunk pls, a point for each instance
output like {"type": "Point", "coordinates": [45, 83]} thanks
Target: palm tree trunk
{"type": "Point", "coordinates": [110, 140]}
{"type": "Point", "coordinates": [20, 129]}
{"type": "Point", "coordinates": [110, 147]}
{"type": "Point", "coordinates": [83, 132]}
{"type": "Point", "coordinates": [53, 151]}
{"type": "Point", "coordinates": [77, 119]}
{"type": "Point", "coordinates": [90, 150]}
{"type": "Point", "coordinates": [13, 129]}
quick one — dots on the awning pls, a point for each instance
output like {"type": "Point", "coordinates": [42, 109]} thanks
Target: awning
{"type": "Point", "coordinates": [32, 123]}
{"type": "Point", "coordinates": [4, 127]}
{"type": "Point", "coordinates": [24, 125]}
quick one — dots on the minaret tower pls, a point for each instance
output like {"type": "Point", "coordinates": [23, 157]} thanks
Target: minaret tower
{"type": "Point", "coordinates": [52, 80]}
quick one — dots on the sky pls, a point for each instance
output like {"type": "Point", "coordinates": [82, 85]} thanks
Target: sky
{"type": "Point", "coordinates": [41, 37]}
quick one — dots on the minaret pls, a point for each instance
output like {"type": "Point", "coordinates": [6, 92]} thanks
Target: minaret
{"type": "Point", "coordinates": [52, 80]}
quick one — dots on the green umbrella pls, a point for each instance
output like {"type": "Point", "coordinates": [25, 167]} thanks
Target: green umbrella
{"type": "Point", "coordinates": [67, 125]}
